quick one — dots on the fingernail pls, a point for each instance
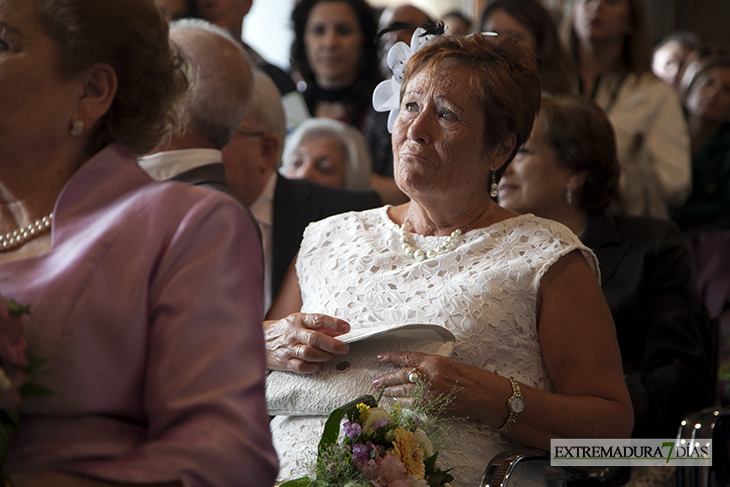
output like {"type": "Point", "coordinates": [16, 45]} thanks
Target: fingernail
{"type": "Point", "coordinates": [381, 357]}
{"type": "Point", "coordinates": [376, 384]}
{"type": "Point", "coordinates": [344, 349]}
{"type": "Point", "coordinates": [345, 328]}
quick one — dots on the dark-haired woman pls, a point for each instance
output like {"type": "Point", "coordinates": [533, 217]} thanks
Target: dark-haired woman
{"type": "Point", "coordinates": [335, 53]}
{"type": "Point", "coordinates": [567, 171]}
{"type": "Point", "coordinates": [531, 22]}
{"type": "Point", "coordinates": [144, 297]}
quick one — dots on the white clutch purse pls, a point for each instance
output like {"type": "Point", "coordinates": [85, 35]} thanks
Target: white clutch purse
{"type": "Point", "coordinates": [351, 375]}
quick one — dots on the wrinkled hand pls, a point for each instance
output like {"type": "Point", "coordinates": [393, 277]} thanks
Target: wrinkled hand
{"type": "Point", "coordinates": [13, 358]}
{"type": "Point", "coordinates": [303, 342]}
{"type": "Point", "coordinates": [442, 373]}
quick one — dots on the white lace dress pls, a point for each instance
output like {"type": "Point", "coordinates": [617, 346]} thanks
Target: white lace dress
{"type": "Point", "coordinates": [351, 266]}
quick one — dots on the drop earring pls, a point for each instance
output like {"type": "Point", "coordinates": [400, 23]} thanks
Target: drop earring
{"type": "Point", "coordinates": [569, 195]}
{"type": "Point", "coordinates": [77, 128]}
{"type": "Point", "coordinates": [493, 189]}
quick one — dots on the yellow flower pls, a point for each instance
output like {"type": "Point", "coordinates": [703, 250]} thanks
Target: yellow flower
{"type": "Point", "coordinates": [364, 413]}
{"type": "Point", "coordinates": [408, 451]}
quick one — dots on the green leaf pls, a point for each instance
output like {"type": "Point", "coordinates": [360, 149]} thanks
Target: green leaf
{"type": "Point", "coordinates": [430, 463]}
{"type": "Point", "coordinates": [301, 482]}
{"type": "Point", "coordinates": [331, 430]}
{"type": "Point", "coordinates": [332, 426]}
{"type": "Point", "coordinates": [439, 478]}
{"type": "Point", "coordinates": [34, 363]}
{"type": "Point", "coordinates": [16, 310]}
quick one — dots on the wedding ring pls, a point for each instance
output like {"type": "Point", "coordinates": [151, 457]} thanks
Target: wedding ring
{"type": "Point", "coordinates": [415, 376]}
{"type": "Point", "coordinates": [298, 353]}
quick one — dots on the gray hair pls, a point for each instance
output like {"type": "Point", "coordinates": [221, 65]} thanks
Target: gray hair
{"type": "Point", "coordinates": [222, 78]}
{"type": "Point", "coordinates": [359, 160]}
{"type": "Point", "coordinates": [266, 110]}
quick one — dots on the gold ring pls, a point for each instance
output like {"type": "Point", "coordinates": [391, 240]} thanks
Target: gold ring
{"type": "Point", "coordinates": [415, 376]}
{"type": "Point", "coordinates": [299, 351]}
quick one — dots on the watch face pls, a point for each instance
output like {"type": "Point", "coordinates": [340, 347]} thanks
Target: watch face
{"type": "Point", "coordinates": [517, 404]}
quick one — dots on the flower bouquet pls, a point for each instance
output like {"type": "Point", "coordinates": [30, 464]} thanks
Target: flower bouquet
{"type": "Point", "coordinates": [13, 353]}
{"type": "Point", "coordinates": [379, 448]}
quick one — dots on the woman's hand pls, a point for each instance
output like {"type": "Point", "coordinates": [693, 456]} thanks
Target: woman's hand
{"type": "Point", "coordinates": [12, 358]}
{"type": "Point", "coordinates": [303, 342]}
{"type": "Point", "coordinates": [443, 374]}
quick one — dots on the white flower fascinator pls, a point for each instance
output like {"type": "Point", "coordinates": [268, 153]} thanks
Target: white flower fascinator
{"type": "Point", "coordinates": [387, 94]}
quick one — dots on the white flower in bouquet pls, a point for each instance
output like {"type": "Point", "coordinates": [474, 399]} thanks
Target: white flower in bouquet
{"type": "Point", "coordinates": [424, 442]}
{"type": "Point", "coordinates": [374, 415]}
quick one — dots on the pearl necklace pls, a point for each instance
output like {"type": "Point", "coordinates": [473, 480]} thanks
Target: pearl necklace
{"type": "Point", "coordinates": [451, 242]}
{"type": "Point", "coordinates": [18, 237]}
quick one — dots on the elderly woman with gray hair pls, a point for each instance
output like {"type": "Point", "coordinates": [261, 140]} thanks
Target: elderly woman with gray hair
{"type": "Point", "coordinates": [328, 152]}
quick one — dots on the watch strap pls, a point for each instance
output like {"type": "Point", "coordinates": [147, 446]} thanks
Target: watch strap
{"type": "Point", "coordinates": [512, 418]}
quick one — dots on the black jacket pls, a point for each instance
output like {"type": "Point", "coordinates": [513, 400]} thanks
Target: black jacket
{"type": "Point", "coordinates": [297, 203]}
{"type": "Point", "coordinates": [662, 328]}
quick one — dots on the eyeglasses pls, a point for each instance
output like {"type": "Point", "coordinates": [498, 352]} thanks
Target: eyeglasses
{"type": "Point", "coordinates": [252, 133]}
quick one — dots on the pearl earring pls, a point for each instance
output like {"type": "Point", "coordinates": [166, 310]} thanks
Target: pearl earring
{"type": "Point", "coordinates": [77, 128]}
{"type": "Point", "coordinates": [493, 189]}
{"type": "Point", "coordinates": [569, 195]}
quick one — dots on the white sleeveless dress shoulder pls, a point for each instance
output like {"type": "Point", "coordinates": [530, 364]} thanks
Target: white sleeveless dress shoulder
{"type": "Point", "coordinates": [351, 266]}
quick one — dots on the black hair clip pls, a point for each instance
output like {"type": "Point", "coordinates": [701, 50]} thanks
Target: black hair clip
{"type": "Point", "coordinates": [430, 29]}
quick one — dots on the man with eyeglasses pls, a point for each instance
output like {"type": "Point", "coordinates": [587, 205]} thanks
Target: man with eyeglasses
{"type": "Point", "coordinates": [282, 207]}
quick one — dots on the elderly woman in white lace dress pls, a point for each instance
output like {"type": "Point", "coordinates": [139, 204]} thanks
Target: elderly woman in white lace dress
{"type": "Point", "coordinates": [536, 354]}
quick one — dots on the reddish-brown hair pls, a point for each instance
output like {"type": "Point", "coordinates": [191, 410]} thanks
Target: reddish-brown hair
{"type": "Point", "coordinates": [505, 80]}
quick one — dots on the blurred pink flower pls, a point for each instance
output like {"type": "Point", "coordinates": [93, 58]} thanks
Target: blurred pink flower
{"type": "Point", "coordinates": [387, 472]}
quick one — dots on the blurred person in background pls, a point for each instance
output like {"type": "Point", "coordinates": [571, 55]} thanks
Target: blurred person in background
{"type": "Point", "coordinates": [609, 42]}
{"type": "Point", "coordinates": [178, 9]}
{"type": "Point", "coordinates": [282, 207]}
{"type": "Point", "coordinates": [707, 106]}
{"type": "Point", "coordinates": [457, 23]}
{"type": "Point", "coordinates": [217, 100]}
{"type": "Point", "coordinates": [670, 56]}
{"type": "Point", "coordinates": [335, 53]}
{"type": "Point", "coordinates": [567, 171]}
{"type": "Point", "coordinates": [328, 152]}
{"type": "Point", "coordinates": [229, 14]}
{"type": "Point", "coordinates": [529, 21]}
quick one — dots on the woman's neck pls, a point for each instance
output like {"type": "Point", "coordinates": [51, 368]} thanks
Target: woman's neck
{"type": "Point", "coordinates": [338, 83]}
{"type": "Point", "coordinates": [576, 221]}
{"type": "Point", "coordinates": [30, 186]}
{"type": "Point", "coordinates": [595, 58]}
{"type": "Point", "coordinates": [436, 220]}
{"type": "Point", "coordinates": [701, 130]}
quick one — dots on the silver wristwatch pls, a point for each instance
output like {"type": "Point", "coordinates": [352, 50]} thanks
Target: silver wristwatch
{"type": "Point", "coordinates": [515, 404]}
